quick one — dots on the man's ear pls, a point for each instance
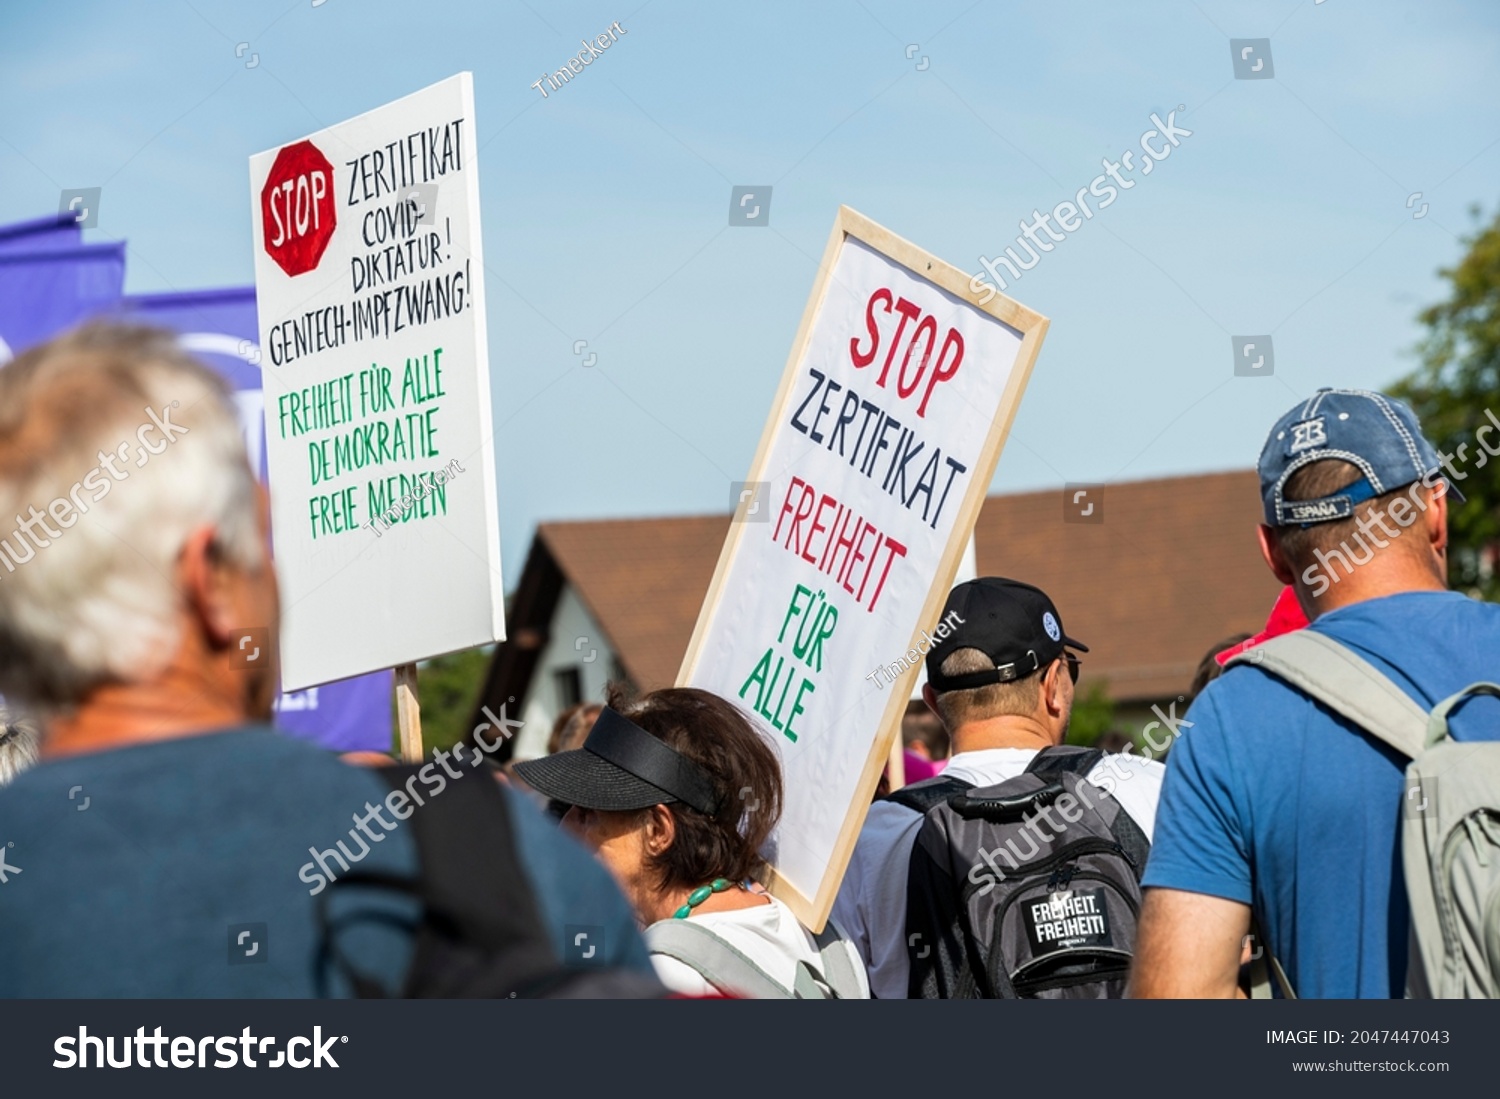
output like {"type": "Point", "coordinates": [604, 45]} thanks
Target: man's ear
{"type": "Point", "coordinates": [1435, 520]}
{"type": "Point", "coordinates": [929, 696]}
{"type": "Point", "coordinates": [661, 830]}
{"type": "Point", "coordinates": [1270, 551]}
{"type": "Point", "coordinates": [1052, 688]}
{"type": "Point", "coordinates": [207, 583]}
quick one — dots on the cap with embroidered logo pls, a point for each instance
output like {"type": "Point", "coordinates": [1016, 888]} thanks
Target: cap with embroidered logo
{"type": "Point", "coordinates": [1014, 624]}
{"type": "Point", "coordinates": [1378, 434]}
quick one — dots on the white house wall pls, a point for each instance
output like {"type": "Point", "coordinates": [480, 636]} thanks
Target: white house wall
{"type": "Point", "coordinates": [574, 640]}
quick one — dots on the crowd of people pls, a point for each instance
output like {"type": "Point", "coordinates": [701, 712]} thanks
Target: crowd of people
{"type": "Point", "coordinates": [155, 821]}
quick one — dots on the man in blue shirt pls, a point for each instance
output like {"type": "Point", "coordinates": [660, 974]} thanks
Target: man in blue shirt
{"type": "Point", "coordinates": [1273, 804]}
{"type": "Point", "coordinates": [169, 843]}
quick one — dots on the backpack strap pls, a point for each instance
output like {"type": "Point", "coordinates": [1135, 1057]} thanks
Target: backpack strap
{"type": "Point", "coordinates": [838, 970]}
{"type": "Point", "coordinates": [715, 960]}
{"type": "Point", "coordinates": [1349, 685]}
{"type": "Point", "coordinates": [1437, 724]}
{"type": "Point", "coordinates": [1061, 759]}
{"type": "Point", "coordinates": [922, 796]}
{"type": "Point", "coordinates": [1346, 683]}
{"type": "Point", "coordinates": [1064, 759]}
{"type": "Point", "coordinates": [1132, 840]}
{"type": "Point", "coordinates": [1266, 970]}
{"type": "Point", "coordinates": [484, 901]}
{"type": "Point", "coordinates": [731, 971]}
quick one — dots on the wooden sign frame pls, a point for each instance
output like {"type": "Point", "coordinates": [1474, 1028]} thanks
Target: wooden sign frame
{"type": "Point", "coordinates": [813, 910]}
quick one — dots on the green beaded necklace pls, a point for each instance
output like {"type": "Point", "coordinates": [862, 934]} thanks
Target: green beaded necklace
{"type": "Point", "coordinates": [699, 895]}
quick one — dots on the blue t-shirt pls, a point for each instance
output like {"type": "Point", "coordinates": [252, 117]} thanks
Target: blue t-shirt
{"type": "Point", "coordinates": [181, 868]}
{"type": "Point", "coordinates": [1273, 801]}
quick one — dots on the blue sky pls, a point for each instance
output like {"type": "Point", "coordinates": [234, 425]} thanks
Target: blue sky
{"type": "Point", "coordinates": [605, 205]}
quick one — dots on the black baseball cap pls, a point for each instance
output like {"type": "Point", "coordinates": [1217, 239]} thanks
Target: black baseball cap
{"type": "Point", "coordinates": [621, 767]}
{"type": "Point", "coordinates": [1012, 623]}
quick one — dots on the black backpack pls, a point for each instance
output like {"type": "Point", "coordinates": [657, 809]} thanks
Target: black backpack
{"type": "Point", "coordinates": [1007, 897]}
{"type": "Point", "coordinates": [479, 934]}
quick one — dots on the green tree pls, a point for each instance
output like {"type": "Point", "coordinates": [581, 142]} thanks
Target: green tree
{"type": "Point", "coordinates": [448, 688]}
{"type": "Point", "coordinates": [1456, 391]}
{"type": "Point", "coordinates": [1093, 715]}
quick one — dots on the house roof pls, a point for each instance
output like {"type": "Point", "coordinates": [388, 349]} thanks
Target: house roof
{"type": "Point", "coordinates": [644, 581]}
{"type": "Point", "coordinates": [1171, 568]}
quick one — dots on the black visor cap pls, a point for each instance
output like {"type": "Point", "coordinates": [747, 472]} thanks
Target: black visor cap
{"type": "Point", "coordinates": [619, 768]}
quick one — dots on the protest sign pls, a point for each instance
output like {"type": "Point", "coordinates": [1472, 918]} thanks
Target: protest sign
{"type": "Point", "coordinates": [369, 277]}
{"type": "Point", "coordinates": [883, 436]}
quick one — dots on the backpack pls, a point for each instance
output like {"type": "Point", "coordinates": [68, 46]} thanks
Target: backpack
{"type": "Point", "coordinates": [1450, 827]}
{"type": "Point", "coordinates": [478, 933]}
{"type": "Point", "coordinates": [1007, 899]}
{"type": "Point", "coordinates": [734, 974]}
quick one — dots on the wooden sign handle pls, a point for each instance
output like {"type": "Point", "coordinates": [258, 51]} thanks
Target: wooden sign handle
{"type": "Point", "coordinates": [896, 767]}
{"type": "Point", "coordinates": [408, 713]}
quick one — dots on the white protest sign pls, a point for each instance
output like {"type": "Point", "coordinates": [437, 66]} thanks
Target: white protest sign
{"type": "Point", "coordinates": [877, 455]}
{"type": "Point", "coordinates": [369, 276]}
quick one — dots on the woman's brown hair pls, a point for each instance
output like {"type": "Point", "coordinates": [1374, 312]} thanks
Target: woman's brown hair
{"type": "Point", "coordinates": [746, 776]}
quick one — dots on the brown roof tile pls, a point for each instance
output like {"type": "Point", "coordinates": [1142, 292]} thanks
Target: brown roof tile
{"type": "Point", "coordinates": [644, 581]}
{"type": "Point", "coordinates": [1172, 568]}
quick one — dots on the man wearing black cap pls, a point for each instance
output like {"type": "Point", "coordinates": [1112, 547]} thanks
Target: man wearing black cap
{"type": "Point", "coordinates": [1002, 684]}
{"type": "Point", "coordinates": [1275, 802]}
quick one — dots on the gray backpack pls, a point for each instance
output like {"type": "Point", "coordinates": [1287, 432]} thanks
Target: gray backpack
{"type": "Point", "coordinates": [734, 974]}
{"type": "Point", "coordinates": [1450, 833]}
{"type": "Point", "coordinates": [1027, 889]}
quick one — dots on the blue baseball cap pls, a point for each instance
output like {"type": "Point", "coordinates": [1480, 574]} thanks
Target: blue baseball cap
{"type": "Point", "coordinates": [1379, 434]}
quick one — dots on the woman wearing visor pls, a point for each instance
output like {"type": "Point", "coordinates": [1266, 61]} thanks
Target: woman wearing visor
{"type": "Point", "coordinates": [677, 793]}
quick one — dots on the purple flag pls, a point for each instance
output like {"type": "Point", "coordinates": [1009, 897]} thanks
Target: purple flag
{"type": "Point", "coordinates": [41, 234]}
{"type": "Point", "coordinates": [44, 292]}
{"type": "Point", "coordinates": [219, 327]}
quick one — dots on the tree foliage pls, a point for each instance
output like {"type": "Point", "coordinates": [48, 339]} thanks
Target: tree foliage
{"type": "Point", "coordinates": [1455, 392]}
{"type": "Point", "coordinates": [1093, 715]}
{"type": "Point", "coordinates": [448, 688]}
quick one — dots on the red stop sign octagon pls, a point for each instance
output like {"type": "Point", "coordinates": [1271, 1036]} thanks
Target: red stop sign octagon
{"type": "Point", "coordinates": [296, 208]}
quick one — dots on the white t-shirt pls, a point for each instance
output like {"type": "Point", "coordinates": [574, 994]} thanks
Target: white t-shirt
{"type": "Point", "coordinates": [871, 904]}
{"type": "Point", "coordinates": [769, 935]}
